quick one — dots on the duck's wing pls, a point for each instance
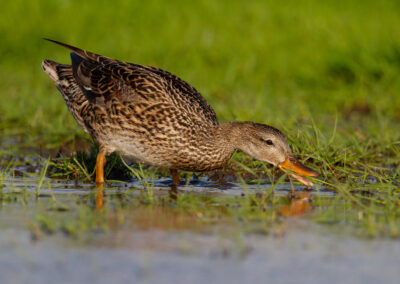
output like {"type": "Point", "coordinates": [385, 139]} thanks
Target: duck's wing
{"type": "Point", "coordinates": [103, 79]}
{"type": "Point", "coordinates": [184, 95]}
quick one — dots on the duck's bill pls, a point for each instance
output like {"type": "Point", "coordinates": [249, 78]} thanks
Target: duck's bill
{"type": "Point", "coordinates": [298, 171]}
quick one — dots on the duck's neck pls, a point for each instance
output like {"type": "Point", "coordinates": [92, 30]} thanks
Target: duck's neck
{"type": "Point", "coordinates": [212, 148]}
{"type": "Point", "coordinates": [230, 135]}
{"type": "Point", "coordinates": [219, 143]}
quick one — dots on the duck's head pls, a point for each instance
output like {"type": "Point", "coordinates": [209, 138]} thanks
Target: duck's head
{"type": "Point", "coordinates": [266, 143]}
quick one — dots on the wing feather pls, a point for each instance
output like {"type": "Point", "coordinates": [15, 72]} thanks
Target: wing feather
{"type": "Point", "coordinates": [102, 79]}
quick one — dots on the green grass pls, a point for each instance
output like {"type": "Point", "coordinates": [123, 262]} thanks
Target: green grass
{"type": "Point", "coordinates": [286, 64]}
{"type": "Point", "coordinates": [325, 72]}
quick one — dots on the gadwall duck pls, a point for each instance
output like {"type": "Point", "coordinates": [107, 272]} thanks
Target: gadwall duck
{"type": "Point", "coordinates": [153, 117]}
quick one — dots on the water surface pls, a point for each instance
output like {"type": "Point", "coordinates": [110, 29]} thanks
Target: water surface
{"type": "Point", "coordinates": [159, 244]}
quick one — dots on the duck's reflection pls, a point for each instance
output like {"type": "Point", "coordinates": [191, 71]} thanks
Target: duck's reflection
{"type": "Point", "coordinates": [99, 197]}
{"type": "Point", "coordinates": [300, 203]}
{"type": "Point", "coordinates": [173, 193]}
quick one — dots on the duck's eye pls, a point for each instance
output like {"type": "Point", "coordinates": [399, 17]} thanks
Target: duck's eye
{"type": "Point", "coordinates": [269, 142]}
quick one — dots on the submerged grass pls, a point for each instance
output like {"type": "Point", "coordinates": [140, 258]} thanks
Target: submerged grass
{"type": "Point", "coordinates": [250, 213]}
{"type": "Point", "coordinates": [367, 209]}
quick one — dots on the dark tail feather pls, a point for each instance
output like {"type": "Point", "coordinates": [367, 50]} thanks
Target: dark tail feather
{"type": "Point", "coordinates": [82, 53]}
{"type": "Point", "coordinates": [75, 60]}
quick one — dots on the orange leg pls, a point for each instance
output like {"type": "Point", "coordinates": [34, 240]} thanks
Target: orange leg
{"type": "Point", "coordinates": [175, 177]}
{"type": "Point", "coordinates": [100, 162]}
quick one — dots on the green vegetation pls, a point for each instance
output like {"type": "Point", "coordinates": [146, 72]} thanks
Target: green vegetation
{"type": "Point", "coordinates": [280, 63]}
{"type": "Point", "coordinates": [325, 72]}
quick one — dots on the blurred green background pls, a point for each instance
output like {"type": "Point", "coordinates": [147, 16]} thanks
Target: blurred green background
{"type": "Point", "coordinates": [285, 63]}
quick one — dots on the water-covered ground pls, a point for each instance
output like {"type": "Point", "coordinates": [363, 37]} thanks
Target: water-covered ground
{"type": "Point", "coordinates": [157, 246]}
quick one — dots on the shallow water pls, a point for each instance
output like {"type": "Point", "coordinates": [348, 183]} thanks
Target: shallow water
{"type": "Point", "coordinates": [161, 245]}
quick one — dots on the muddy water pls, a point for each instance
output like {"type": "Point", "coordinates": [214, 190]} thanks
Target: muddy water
{"type": "Point", "coordinates": [163, 246]}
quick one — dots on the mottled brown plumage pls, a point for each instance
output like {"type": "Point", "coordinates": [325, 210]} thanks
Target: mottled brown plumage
{"type": "Point", "coordinates": [153, 117]}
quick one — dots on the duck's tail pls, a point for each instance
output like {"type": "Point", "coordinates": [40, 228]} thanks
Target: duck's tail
{"type": "Point", "coordinates": [63, 78]}
{"type": "Point", "coordinates": [56, 71]}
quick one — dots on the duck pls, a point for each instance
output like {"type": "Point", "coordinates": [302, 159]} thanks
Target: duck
{"type": "Point", "coordinates": [151, 116]}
